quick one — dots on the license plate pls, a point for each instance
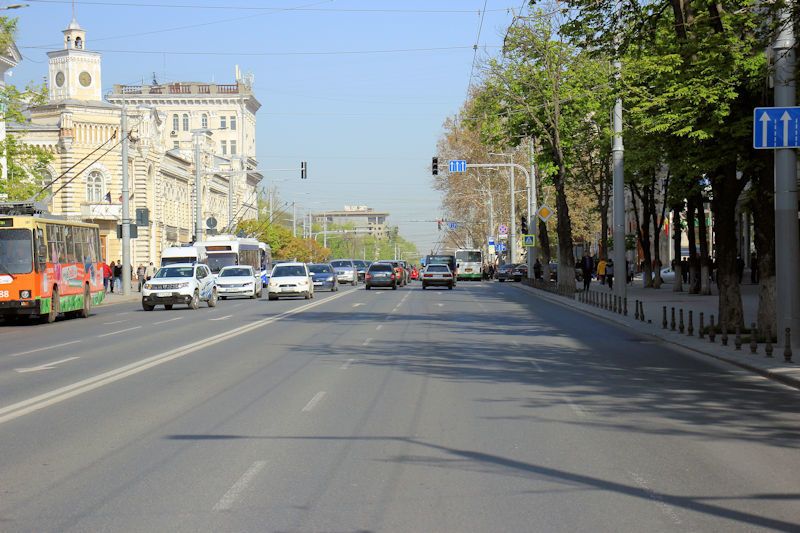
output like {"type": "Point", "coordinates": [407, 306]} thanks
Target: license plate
{"type": "Point", "coordinates": [164, 295]}
{"type": "Point", "coordinates": [317, 283]}
{"type": "Point", "coordinates": [468, 270]}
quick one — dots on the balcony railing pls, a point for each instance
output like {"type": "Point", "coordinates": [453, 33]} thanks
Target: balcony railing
{"type": "Point", "coordinates": [181, 88]}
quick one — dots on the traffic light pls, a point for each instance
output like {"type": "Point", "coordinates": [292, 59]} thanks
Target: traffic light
{"type": "Point", "coordinates": [435, 172]}
{"type": "Point", "coordinates": [303, 170]}
{"type": "Point", "coordinates": [439, 222]}
{"type": "Point", "coordinates": [523, 223]}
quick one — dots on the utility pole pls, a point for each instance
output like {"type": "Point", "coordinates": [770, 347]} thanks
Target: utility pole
{"type": "Point", "coordinates": [198, 189]}
{"type": "Point", "coordinates": [618, 189]}
{"type": "Point", "coordinates": [126, 207]}
{"type": "Point", "coordinates": [325, 230]}
{"type": "Point", "coordinates": [512, 238]}
{"type": "Point", "coordinates": [533, 251]}
{"type": "Point", "coordinates": [787, 254]}
{"type": "Point", "coordinates": [271, 199]}
{"type": "Point", "coordinates": [294, 219]}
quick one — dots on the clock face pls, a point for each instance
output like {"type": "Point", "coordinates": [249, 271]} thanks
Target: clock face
{"type": "Point", "coordinates": [85, 78]}
{"type": "Point", "coordinates": [59, 79]}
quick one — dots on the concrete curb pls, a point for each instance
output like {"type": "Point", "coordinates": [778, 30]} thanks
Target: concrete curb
{"type": "Point", "coordinates": [785, 373]}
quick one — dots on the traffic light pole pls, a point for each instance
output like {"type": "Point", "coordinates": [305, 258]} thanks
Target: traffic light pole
{"type": "Point", "coordinates": [126, 207]}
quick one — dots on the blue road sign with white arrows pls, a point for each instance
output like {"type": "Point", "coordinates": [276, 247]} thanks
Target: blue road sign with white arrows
{"type": "Point", "coordinates": [452, 226]}
{"type": "Point", "coordinates": [776, 127]}
{"type": "Point", "coordinates": [458, 165]}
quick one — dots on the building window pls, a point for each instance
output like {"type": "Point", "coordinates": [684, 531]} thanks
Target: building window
{"type": "Point", "coordinates": [175, 126]}
{"type": "Point", "coordinates": [94, 187]}
{"type": "Point", "coordinates": [185, 122]}
{"type": "Point", "coordinates": [222, 123]}
{"type": "Point", "coordinates": [224, 146]}
{"type": "Point", "coordinates": [176, 144]}
{"type": "Point", "coordinates": [233, 122]}
{"type": "Point", "coordinates": [233, 147]}
{"type": "Point", "coordinates": [204, 121]}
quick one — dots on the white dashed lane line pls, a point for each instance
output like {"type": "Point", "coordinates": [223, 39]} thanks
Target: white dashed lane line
{"type": "Point", "coordinates": [44, 348]}
{"type": "Point", "coordinates": [229, 498]}
{"type": "Point", "coordinates": [119, 331]}
{"type": "Point", "coordinates": [314, 401]}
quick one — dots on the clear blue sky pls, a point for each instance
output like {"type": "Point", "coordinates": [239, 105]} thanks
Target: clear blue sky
{"type": "Point", "coordinates": [366, 122]}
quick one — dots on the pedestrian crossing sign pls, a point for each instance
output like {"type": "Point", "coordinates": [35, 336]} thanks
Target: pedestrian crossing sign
{"type": "Point", "coordinates": [528, 240]}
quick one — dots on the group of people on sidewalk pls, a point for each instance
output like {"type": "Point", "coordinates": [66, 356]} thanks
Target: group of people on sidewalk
{"type": "Point", "coordinates": [112, 275]}
{"type": "Point", "coordinates": [602, 268]}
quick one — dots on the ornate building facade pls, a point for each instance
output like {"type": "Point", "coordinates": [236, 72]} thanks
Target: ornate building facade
{"type": "Point", "coordinates": [82, 132]}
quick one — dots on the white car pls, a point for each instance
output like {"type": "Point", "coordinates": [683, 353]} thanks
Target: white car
{"type": "Point", "coordinates": [290, 279]}
{"type": "Point", "coordinates": [181, 283]}
{"type": "Point", "coordinates": [239, 280]}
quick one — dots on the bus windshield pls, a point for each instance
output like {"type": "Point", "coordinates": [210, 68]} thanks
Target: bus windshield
{"type": "Point", "coordinates": [16, 251]}
{"type": "Point", "coordinates": [217, 261]}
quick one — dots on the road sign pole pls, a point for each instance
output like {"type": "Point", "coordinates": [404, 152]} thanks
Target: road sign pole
{"type": "Point", "coordinates": [787, 249]}
{"type": "Point", "coordinates": [620, 269]}
{"type": "Point", "coordinates": [512, 237]}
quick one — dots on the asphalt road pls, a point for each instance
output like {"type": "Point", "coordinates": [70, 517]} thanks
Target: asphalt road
{"type": "Point", "coordinates": [483, 408]}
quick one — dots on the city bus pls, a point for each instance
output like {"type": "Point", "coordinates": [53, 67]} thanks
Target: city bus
{"type": "Point", "coordinates": [470, 264]}
{"type": "Point", "coordinates": [182, 254]}
{"type": "Point", "coordinates": [48, 266]}
{"type": "Point", "coordinates": [229, 250]}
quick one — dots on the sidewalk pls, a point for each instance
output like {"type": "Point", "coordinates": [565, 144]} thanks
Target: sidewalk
{"type": "Point", "coordinates": [117, 297]}
{"type": "Point", "coordinates": [773, 368]}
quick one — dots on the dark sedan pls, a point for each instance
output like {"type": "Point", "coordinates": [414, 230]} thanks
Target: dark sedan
{"type": "Point", "coordinates": [520, 272]}
{"type": "Point", "coordinates": [381, 275]}
{"type": "Point", "coordinates": [504, 272]}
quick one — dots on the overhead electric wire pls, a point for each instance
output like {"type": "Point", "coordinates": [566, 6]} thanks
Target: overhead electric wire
{"type": "Point", "coordinates": [49, 185]}
{"type": "Point", "coordinates": [77, 174]}
{"type": "Point", "coordinates": [475, 48]}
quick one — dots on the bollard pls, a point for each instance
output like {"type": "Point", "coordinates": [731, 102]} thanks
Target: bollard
{"type": "Point", "coordinates": [690, 329]}
{"type": "Point", "coordinates": [737, 340]}
{"type": "Point", "coordinates": [701, 327]}
{"type": "Point", "coordinates": [712, 334]}
{"type": "Point", "coordinates": [636, 311]}
{"type": "Point", "coordinates": [787, 347]}
{"type": "Point", "coordinates": [672, 319]}
{"type": "Point", "coordinates": [753, 341]}
{"type": "Point", "coordinates": [641, 311]}
{"type": "Point", "coordinates": [768, 348]}
{"type": "Point", "coordinates": [664, 320]}
{"type": "Point", "coordinates": [614, 304]}
{"type": "Point", "coordinates": [625, 307]}
{"type": "Point", "coordinates": [725, 334]}
{"type": "Point", "coordinates": [680, 324]}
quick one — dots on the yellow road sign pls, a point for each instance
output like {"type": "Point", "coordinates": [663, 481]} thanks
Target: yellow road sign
{"type": "Point", "coordinates": [544, 213]}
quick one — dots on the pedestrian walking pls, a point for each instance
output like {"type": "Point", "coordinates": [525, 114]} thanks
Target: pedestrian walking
{"type": "Point", "coordinates": [113, 268]}
{"type": "Point", "coordinates": [537, 270]}
{"type": "Point", "coordinates": [107, 272]}
{"type": "Point", "coordinates": [610, 273]}
{"type": "Point", "coordinates": [117, 276]}
{"type": "Point", "coordinates": [149, 272]}
{"type": "Point", "coordinates": [587, 266]}
{"type": "Point", "coordinates": [685, 270]}
{"type": "Point", "coordinates": [601, 271]}
{"type": "Point", "coordinates": [754, 268]}
{"type": "Point", "coordinates": [140, 272]}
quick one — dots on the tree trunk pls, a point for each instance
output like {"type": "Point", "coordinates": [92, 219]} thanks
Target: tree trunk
{"type": "Point", "coordinates": [603, 231]}
{"type": "Point", "coordinates": [726, 189]}
{"type": "Point", "coordinates": [694, 287]}
{"type": "Point", "coordinates": [657, 281]}
{"type": "Point", "coordinates": [642, 235]}
{"type": "Point", "coordinates": [705, 260]}
{"type": "Point", "coordinates": [763, 209]}
{"type": "Point", "coordinates": [566, 260]}
{"type": "Point", "coordinates": [677, 286]}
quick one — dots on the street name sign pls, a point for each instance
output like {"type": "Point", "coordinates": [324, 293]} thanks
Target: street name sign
{"type": "Point", "coordinates": [458, 165]}
{"type": "Point", "coordinates": [528, 240]}
{"type": "Point", "coordinates": [776, 127]}
{"type": "Point", "coordinates": [452, 226]}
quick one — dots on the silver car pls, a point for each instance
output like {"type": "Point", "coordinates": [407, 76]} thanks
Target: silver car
{"type": "Point", "coordinates": [346, 271]}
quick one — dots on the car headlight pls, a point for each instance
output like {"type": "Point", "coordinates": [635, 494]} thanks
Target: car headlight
{"type": "Point", "coordinates": [329, 278]}
{"type": "Point", "coordinates": [183, 285]}
{"type": "Point", "coordinates": [303, 282]}
{"type": "Point", "coordinates": [148, 286]}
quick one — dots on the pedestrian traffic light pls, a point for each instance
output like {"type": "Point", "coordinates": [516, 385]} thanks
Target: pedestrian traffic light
{"type": "Point", "coordinates": [303, 170]}
{"type": "Point", "coordinates": [523, 223]}
{"type": "Point", "coordinates": [435, 172]}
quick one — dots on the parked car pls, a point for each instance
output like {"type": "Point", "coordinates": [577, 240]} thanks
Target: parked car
{"type": "Point", "coordinates": [346, 271]}
{"type": "Point", "coordinates": [381, 275]}
{"type": "Point", "coordinates": [437, 274]}
{"type": "Point", "coordinates": [181, 283]}
{"type": "Point", "coordinates": [519, 272]}
{"type": "Point", "coordinates": [667, 275]}
{"type": "Point", "coordinates": [323, 276]}
{"type": "Point", "coordinates": [290, 279]}
{"type": "Point", "coordinates": [239, 280]}
{"type": "Point", "coordinates": [504, 272]}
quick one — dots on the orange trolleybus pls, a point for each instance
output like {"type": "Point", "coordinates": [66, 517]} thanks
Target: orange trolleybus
{"type": "Point", "coordinates": [48, 266]}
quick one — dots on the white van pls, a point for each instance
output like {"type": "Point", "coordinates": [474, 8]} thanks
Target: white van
{"type": "Point", "coordinates": [183, 254]}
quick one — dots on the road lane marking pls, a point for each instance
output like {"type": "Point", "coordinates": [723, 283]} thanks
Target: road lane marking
{"type": "Point", "coordinates": [346, 364]}
{"type": "Point", "coordinates": [46, 366]}
{"type": "Point", "coordinates": [115, 322]}
{"type": "Point", "coordinates": [666, 508]}
{"type": "Point", "coordinates": [168, 320]}
{"type": "Point", "coordinates": [378, 327]}
{"type": "Point", "coordinates": [42, 349]}
{"type": "Point", "coordinates": [358, 304]}
{"type": "Point", "coordinates": [120, 331]}
{"type": "Point", "coordinates": [226, 502]}
{"type": "Point", "coordinates": [440, 304]}
{"type": "Point", "coordinates": [575, 407]}
{"type": "Point", "coordinates": [56, 396]}
{"type": "Point", "coordinates": [226, 317]}
{"type": "Point", "coordinates": [367, 341]}
{"type": "Point", "coordinates": [314, 401]}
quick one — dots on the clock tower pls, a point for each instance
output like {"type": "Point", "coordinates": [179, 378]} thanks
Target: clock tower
{"type": "Point", "coordinates": [74, 71]}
